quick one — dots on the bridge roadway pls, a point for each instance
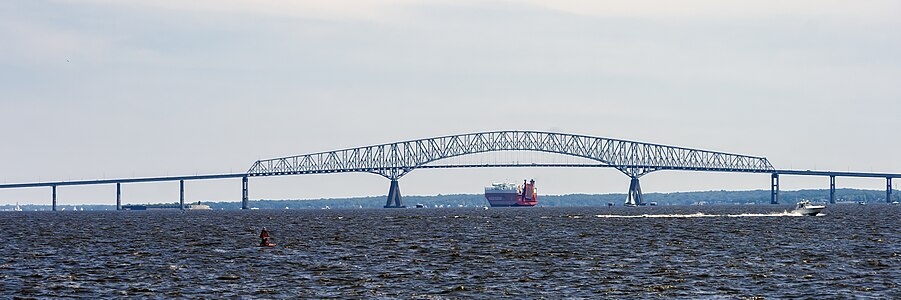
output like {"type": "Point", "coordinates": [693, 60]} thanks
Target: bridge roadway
{"type": "Point", "coordinates": [245, 205]}
{"type": "Point", "coordinates": [394, 160]}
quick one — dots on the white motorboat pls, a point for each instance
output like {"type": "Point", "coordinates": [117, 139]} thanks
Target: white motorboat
{"type": "Point", "coordinates": [808, 209]}
{"type": "Point", "coordinates": [198, 206]}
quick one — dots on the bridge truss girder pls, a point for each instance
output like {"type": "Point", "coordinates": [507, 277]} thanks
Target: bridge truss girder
{"type": "Point", "coordinates": [394, 160]}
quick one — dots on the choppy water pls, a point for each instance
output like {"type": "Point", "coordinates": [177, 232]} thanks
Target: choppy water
{"type": "Point", "coordinates": [660, 252]}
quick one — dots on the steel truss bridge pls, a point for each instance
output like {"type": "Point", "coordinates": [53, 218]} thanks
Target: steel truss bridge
{"type": "Point", "coordinates": [395, 160]}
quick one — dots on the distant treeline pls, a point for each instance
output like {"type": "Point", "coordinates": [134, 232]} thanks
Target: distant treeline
{"type": "Point", "coordinates": [474, 200]}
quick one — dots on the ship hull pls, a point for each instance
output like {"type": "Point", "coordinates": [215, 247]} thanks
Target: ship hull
{"type": "Point", "coordinates": [810, 210]}
{"type": "Point", "coordinates": [508, 200]}
{"type": "Point", "coordinates": [510, 205]}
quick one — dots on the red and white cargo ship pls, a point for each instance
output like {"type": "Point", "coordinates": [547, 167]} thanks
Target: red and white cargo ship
{"type": "Point", "coordinates": [509, 194]}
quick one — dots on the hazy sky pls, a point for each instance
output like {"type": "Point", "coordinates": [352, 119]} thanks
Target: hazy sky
{"type": "Point", "coordinates": [109, 89]}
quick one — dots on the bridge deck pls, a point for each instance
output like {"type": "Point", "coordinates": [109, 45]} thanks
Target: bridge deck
{"type": "Point", "coordinates": [240, 175]}
{"type": "Point", "coordinates": [837, 173]}
{"type": "Point", "coordinates": [122, 180]}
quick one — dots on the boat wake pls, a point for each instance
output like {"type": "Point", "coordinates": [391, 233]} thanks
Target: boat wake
{"type": "Point", "coordinates": [703, 215]}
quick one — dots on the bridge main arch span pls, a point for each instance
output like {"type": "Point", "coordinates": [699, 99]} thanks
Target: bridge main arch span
{"type": "Point", "coordinates": [394, 160]}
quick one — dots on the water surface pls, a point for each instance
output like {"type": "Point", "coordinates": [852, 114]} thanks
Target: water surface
{"type": "Point", "coordinates": [720, 252]}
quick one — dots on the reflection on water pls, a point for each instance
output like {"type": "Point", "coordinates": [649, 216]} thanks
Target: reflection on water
{"type": "Point", "coordinates": [644, 252]}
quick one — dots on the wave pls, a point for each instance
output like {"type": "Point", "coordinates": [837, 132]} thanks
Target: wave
{"type": "Point", "coordinates": [703, 215]}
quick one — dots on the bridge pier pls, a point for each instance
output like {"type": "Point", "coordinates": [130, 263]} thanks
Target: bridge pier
{"type": "Point", "coordinates": [118, 196]}
{"type": "Point", "coordinates": [888, 190]}
{"type": "Point", "coordinates": [394, 196]}
{"type": "Point", "coordinates": [634, 197]}
{"type": "Point", "coordinates": [774, 189]}
{"type": "Point", "coordinates": [832, 189]}
{"type": "Point", "coordinates": [245, 202]}
{"type": "Point", "coordinates": [181, 201]}
{"type": "Point", "coordinates": [54, 198]}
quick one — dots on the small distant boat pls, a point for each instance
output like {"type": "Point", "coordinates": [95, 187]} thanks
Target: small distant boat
{"type": "Point", "coordinates": [17, 208]}
{"type": "Point", "coordinates": [893, 203]}
{"type": "Point", "coordinates": [653, 203]}
{"type": "Point", "coordinates": [198, 206]}
{"type": "Point", "coordinates": [420, 205]}
{"type": "Point", "coordinates": [808, 209]}
{"type": "Point", "coordinates": [861, 203]}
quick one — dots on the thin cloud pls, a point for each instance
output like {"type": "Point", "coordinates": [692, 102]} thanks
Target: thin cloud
{"type": "Point", "coordinates": [880, 9]}
{"type": "Point", "coordinates": [36, 43]}
{"type": "Point", "coordinates": [363, 10]}
{"type": "Point", "coordinates": [386, 10]}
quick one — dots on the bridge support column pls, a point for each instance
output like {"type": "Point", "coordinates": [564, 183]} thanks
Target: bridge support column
{"type": "Point", "coordinates": [394, 196]}
{"type": "Point", "coordinates": [831, 189]}
{"type": "Point", "coordinates": [245, 202]}
{"type": "Point", "coordinates": [118, 196]}
{"type": "Point", "coordinates": [774, 189]}
{"type": "Point", "coordinates": [181, 199]}
{"type": "Point", "coordinates": [634, 197]}
{"type": "Point", "coordinates": [888, 190]}
{"type": "Point", "coordinates": [54, 198]}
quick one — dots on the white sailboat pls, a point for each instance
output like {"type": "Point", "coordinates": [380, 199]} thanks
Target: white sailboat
{"type": "Point", "coordinates": [17, 207]}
